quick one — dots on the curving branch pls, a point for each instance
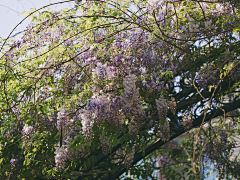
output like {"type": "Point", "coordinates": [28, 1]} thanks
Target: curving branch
{"type": "Point", "coordinates": [156, 145]}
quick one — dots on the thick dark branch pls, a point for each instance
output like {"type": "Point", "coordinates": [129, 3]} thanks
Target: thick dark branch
{"type": "Point", "coordinates": [197, 122]}
{"type": "Point", "coordinates": [181, 105]}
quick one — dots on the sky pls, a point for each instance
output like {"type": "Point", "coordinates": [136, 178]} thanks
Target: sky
{"type": "Point", "coordinates": [11, 13]}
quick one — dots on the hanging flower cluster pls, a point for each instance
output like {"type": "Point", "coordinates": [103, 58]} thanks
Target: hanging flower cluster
{"type": "Point", "coordinates": [129, 157]}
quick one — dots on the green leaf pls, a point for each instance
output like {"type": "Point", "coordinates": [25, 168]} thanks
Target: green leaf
{"type": "Point", "coordinates": [25, 14]}
{"type": "Point", "coordinates": [122, 141]}
{"type": "Point", "coordinates": [27, 161]}
{"type": "Point", "coordinates": [129, 149]}
{"type": "Point", "coordinates": [115, 141]}
{"type": "Point", "coordinates": [1, 160]}
{"type": "Point", "coordinates": [115, 13]}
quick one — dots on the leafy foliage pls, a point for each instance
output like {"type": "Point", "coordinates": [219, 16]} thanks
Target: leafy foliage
{"type": "Point", "coordinates": [103, 88]}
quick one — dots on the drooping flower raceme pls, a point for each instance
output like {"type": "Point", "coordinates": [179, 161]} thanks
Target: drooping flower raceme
{"type": "Point", "coordinates": [162, 106]}
{"type": "Point", "coordinates": [63, 121]}
{"type": "Point", "coordinates": [86, 120]}
{"type": "Point", "coordinates": [14, 162]}
{"type": "Point", "coordinates": [164, 160]}
{"type": "Point", "coordinates": [130, 97]}
{"type": "Point", "coordinates": [162, 126]}
{"type": "Point", "coordinates": [62, 153]}
{"type": "Point", "coordinates": [129, 157]}
{"type": "Point", "coordinates": [101, 73]}
{"type": "Point", "coordinates": [61, 156]}
{"type": "Point", "coordinates": [27, 131]}
{"type": "Point", "coordinates": [133, 127]}
{"type": "Point", "coordinates": [155, 4]}
{"type": "Point", "coordinates": [105, 143]}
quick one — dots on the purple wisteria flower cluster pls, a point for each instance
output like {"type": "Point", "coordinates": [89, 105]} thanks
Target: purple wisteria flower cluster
{"type": "Point", "coordinates": [14, 162]}
{"type": "Point", "coordinates": [27, 131]}
{"type": "Point", "coordinates": [162, 126]}
{"type": "Point", "coordinates": [63, 120]}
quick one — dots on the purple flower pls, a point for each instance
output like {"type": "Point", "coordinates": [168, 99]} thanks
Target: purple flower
{"type": "Point", "coordinates": [14, 162]}
{"type": "Point", "coordinates": [27, 130]}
